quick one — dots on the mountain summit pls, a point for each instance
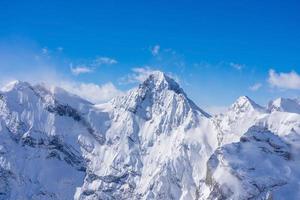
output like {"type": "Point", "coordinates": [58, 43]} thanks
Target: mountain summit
{"type": "Point", "coordinates": [157, 94]}
{"type": "Point", "coordinates": [159, 81]}
{"type": "Point", "coordinates": [245, 104]}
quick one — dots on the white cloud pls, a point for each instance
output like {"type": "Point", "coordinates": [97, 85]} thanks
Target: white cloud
{"type": "Point", "coordinates": [289, 80]}
{"type": "Point", "coordinates": [140, 74]}
{"type": "Point", "coordinates": [92, 65]}
{"type": "Point", "coordinates": [80, 70]}
{"type": "Point", "coordinates": [155, 50]}
{"type": "Point", "coordinates": [60, 49]}
{"type": "Point", "coordinates": [90, 91]}
{"type": "Point", "coordinates": [26, 63]}
{"type": "Point", "coordinates": [237, 66]}
{"type": "Point", "coordinates": [93, 92]}
{"type": "Point", "coordinates": [255, 87]}
{"type": "Point", "coordinates": [104, 61]}
{"type": "Point", "coordinates": [45, 51]}
{"type": "Point", "coordinates": [214, 110]}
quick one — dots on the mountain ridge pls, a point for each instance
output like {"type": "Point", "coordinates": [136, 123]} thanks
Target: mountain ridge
{"type": "Point", "coordinates": [152, 143]}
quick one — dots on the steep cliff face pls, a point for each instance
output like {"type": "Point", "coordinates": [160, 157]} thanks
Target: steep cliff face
{"type": "Point", "coordinates": [39, 155]}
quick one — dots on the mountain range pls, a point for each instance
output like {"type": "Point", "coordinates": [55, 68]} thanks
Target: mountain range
{"type": "Point", "coordinates": [152, 143]}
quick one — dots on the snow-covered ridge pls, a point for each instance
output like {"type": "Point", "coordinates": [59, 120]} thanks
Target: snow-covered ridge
{"type": "Point", "coordinates": [152, 143]}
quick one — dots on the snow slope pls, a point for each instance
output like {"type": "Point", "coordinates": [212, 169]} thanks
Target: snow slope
{"type": "Point", "coordinates": [261, 166]}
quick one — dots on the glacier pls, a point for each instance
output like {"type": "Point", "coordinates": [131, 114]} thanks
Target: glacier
{"type": "Point", "coordinates": [152, 143]}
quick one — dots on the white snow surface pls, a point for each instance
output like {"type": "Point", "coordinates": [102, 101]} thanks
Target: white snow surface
{"type": "Point", "coordinates": [152, 143]}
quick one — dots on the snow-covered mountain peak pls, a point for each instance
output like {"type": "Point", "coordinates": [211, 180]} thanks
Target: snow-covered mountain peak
{"type": "Point", "coordinates": [159, 94]}
{"type": "Point", "coordinates": [241, 115]}
{"type": "Point", "coordinates": [25, 88]}
{"type": "Point", "coordinates": [159, 81]}
{"type": "Point", "coordinates": [284, 105]}
{"type": "Point", "coordinates": [244, 104]}
{"type": "Point", "coordinates": [15, 85]}
{"type": "Point", "coordinates": [18, 93]}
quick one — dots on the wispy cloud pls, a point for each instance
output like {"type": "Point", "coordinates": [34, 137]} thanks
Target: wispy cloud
{"type": "Point", "coordinates": [217, 65]}
{"type": "Point", "coordinates": [80, 70]}
{"type": "Point", "coordinates": [140, 74]}
{"type": "Point", "coordinates": [104, 61]}
{"type": "Point", "coordinates": [45, 51]}
{"type": "Point", "coordinates": [236, 66]}
{"type": "Point", "coordinates": [93, 92]}
{"type": "Point", "coordinates": [28, 63]}
{"type": "Point", "coordinates": [155, 50]}
{"type": "Point", "coordinates": [282, 80]}
{"type": "Point", "coordinates": [215, 110]}
{"type": "Point", "coordinates": [165, 58]}
{"type": "Point", "coordinates": [91, 65]}
{"type": "Point", "coordinates": [255, 87]}
{"type": "Point", "coordinates": [60, 49]}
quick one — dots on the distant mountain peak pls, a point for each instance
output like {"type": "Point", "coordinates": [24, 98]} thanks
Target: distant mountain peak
{"type": "Point", "coordinates": [16, 84]}
{"type": "Point", "coordinates": [159, 81]}
{"type": "Point", "coordinates": [244, 103]}
{"type": "Point", "coordinates": [23, 90]}
{"type": "Point", "coordinates": [245, 99]}
{"type": "Point", "coordinates": [284, 105]}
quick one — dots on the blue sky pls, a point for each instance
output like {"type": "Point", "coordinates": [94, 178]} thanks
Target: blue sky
{"type": "Point", "coordinates": [217, 50]}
